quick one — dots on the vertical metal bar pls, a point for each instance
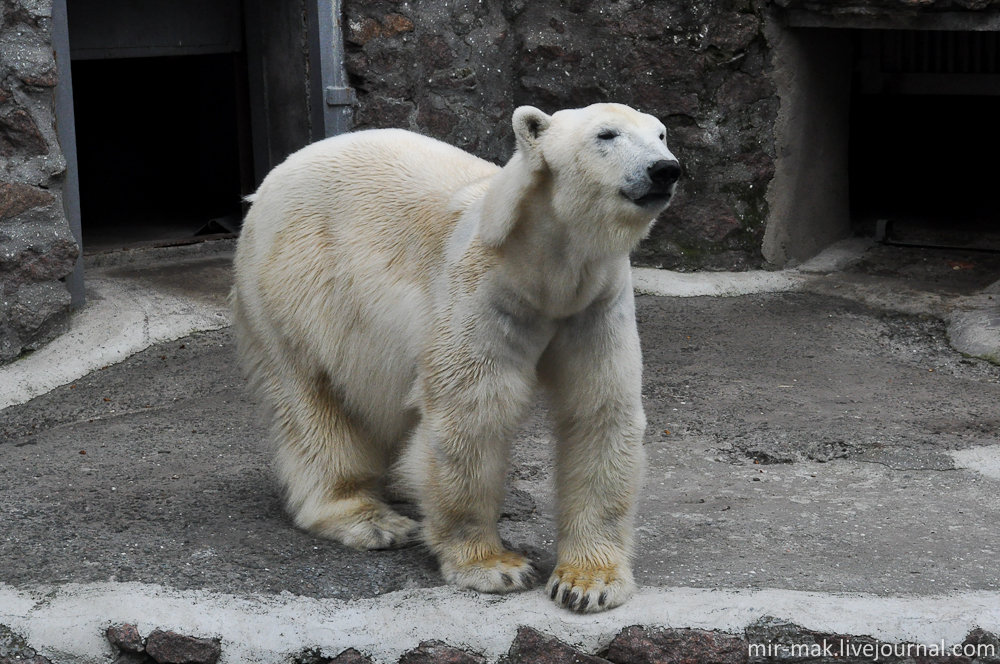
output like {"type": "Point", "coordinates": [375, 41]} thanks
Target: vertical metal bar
{"type": "Point", "coordinates": [885, 51]}
{"type": "Point", "coordinates": [899, 55]}
{"type": "Point", "coordinates": [257, 89]}
{"type": "Point", "coordinates": [940, 51]}
{"type": "Point", "coordinates": [907, 48]}
{"type": "Point", "coordinates": [974, 53]}
{"type": "Point", "coordinates": [66, 132]}
{"type": "Point", "coordinates": [244, 125]}
{"type": "Point", "coordinates": [924, 51]}
{"type": "Point", "coordinates": [948, 57]}
{"type": "Point", "coordinates": [963, 53]}
{"type": "Point", "coordinates": [331, 110]}
{"type": "Point", "coordinates": [991, 52]}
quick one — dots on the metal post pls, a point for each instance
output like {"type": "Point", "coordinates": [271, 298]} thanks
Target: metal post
{"type": "Point", "coordinates": [257, 90]}
{"type": "Point", "coordinates": [331, 98]}
{"type": "Point", "coordinates": [66, 132]}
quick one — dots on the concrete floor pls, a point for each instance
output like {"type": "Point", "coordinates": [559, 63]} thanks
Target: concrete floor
{"type": "Point", "coordinates": [800, 441]}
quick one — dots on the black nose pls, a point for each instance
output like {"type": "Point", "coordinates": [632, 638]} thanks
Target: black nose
{"type": "Point", "coordinates": [664, 173]}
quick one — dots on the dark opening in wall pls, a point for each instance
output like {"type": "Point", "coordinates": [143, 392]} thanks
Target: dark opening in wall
{"type": "Point", "coordinates": [158, 144]}
{"type": "Point", "coordinates": [924, 136]}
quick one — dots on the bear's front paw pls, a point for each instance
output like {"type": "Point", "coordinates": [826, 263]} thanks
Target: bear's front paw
{"type": "Point", "coordinates": [502, 572]}
{"type": "Point", "coordinates": [589, 589]}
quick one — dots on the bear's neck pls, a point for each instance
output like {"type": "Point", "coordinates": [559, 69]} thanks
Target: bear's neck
{"type": "Point", "coordinates": [518, 211]}
{"type": "Point", "coordinates": [550, 260]}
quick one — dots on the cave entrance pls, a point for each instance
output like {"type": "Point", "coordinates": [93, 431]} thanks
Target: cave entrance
{"type": "Point", "coordinates": [923, 137]}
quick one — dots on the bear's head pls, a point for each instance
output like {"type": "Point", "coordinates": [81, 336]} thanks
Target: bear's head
{"type": "Point", "coordinates": [606, 164]}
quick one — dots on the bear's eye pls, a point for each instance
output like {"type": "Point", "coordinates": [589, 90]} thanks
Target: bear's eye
{"type": "Point", "coordinates": [663, 136]}
{"type": "Point", "coordinates": [607, 134]}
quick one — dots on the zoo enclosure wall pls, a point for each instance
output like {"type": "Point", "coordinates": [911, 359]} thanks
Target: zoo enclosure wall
{"type": "Point", "coordinates": [756, 96]}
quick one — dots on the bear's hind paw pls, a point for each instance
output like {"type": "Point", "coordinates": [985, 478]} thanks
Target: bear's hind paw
{"type": "Point", "coordinates": [503, 572]}
{"type": "Point", "coordinates": [375, 529]}
{"type": "Point", "coordinates": [589, 589]}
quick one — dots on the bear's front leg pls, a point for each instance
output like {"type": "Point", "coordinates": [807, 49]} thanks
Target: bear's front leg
{"type": "Point", "coordinates": [593, 372]}
{"type": "Point", "coordinates": [474, 393]}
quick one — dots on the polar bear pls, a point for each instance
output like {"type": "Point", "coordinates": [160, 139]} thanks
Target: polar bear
{"type": "Point", "coordinates": [397, 300]}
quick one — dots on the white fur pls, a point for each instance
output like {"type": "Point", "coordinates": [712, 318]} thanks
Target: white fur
{"type": "Point", "coordinates": [398, 299]}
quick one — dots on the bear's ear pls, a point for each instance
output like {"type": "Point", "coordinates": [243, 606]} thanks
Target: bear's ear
{"type": "Point", "coordinates": [529, 125]}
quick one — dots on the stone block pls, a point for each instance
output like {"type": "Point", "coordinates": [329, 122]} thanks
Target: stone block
{"type": "Point", "coordinates": [437, 122]}
{"type": "Point", "coordinates": [533, 647]}
{"type": "Point", "coordinates": [173, 648]}
{"type": "Point", "coordinates": [125, 637]}
{"type": "Point", "coordinates": [375, 111]}
{"type": "Point", "coordinates": [732, 32]}
{"type": "Point", "coordinates": [980, 637]}
{"type": "Point", "coordinates": [638, 645]}
{"type": "Point", "coordinates": [16, 198]}
{"type": "Point", "coordinates": [19, 135]}
{"type": "Point", "coordinates": [363, 30]}
{"type": "Point", "coordinates": [351, 656]}
{"type": "Point", "coordinates": [436, 652]}
{"type": "Point", "coordinates": [35, 252]}
{"type": "Point", "coordinates": [741, 90]}
{"type": "Point", "coordinates": [434, 52]}
{"type": "Point", "coordinates": [393, 24]}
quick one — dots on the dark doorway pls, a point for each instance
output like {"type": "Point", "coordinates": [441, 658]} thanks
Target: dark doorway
{"type": "Point", "coordinates": [925, 157]}
{"type": "Point", "coordinates": [923, 136]}
{"type": "Point", "coordinates": [158, 142]}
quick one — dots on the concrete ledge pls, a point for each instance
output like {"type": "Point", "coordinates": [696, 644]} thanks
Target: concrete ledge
{"type": "Point", "coordinates": [650, 281]}
{"type": "Point", "coordinates": [836, 257]}
{"type": "Point", "coordinates": [120, 319]}
{"type": "Point", "coordinates": [67, 623]}
{"type": "Point", "coordinates": [977, 332]}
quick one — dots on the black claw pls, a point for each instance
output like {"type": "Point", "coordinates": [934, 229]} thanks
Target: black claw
{"type": "Point", "coordinates": [565, 596]}
{"type": "Point", "coordinates": [555, 589]}
{"type": "Point", "coordinates": [507, 580]}
{"type": "Point", "coordinates": [602, 599]}
{"type": "Point", "coordinates": [584, 603]}
{"type": "Point", "coordinates": [574, 598]}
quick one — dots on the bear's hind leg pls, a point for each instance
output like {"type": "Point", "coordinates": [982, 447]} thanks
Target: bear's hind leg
{"type": "Point", "coordinates": [331, 470]}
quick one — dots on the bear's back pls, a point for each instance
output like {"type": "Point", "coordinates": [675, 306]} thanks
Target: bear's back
{"type": "Point", "coordinates": [383, 195]}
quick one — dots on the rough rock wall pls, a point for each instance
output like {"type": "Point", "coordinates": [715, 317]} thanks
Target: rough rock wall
{"type": "Point", "coordinates": [887, 7]}
{"type": "Point", "coordinates": [37, 248]}
{"type": "Point", "coordinates": [456, 69]}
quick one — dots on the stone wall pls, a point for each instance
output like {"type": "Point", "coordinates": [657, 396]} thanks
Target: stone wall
{"type": "Point", "coordinates": [765, 641]}
{"type": "Point", "coordinates": [37, 249]}
{"type": "Point", "coordinates": [456, 69]}
{"type": "Point", "coordinates": [887, 7]}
